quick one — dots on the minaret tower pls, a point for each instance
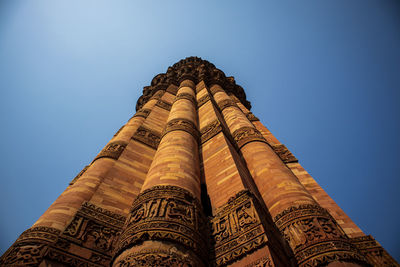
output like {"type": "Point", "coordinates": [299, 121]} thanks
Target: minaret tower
{"type": "Point", "coordinates": [194, 179]}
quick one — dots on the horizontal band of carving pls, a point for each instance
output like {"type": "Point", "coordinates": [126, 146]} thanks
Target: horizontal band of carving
{"type": "Point", "coordinates": [172, 90]}
{"type": "Point", "coordinates": [285, 155]}
{"type": "Point", "coordinates": [203, 100]}
{"type": "Point", "coordinates": [167, 213]}
{"type": "Point", "coordinates": [79, 175]}
{"type": "Point", "coordinates": [262, 262]}
{"type": "Point", "coordinates": [246, 135]}
{"type": "Point", "coordinates": [186, 96]}
{"type": "Point", "coordinates": [113, 150]}
{"type": "Point", "coordinates": [250, 116]}
{"type": "Point", "coordinates": [156, 257]}
{"type": "Point", "coordinates": [95, 228]}
{"type": "Point", "coordinates": [373, 251]}
{"type": "Point", "coordinates": [314, 236]}
{"type": "Point", "coordinates": [158, 94]}
{"type": "Point", "coordinates": [143, 112]}
{"type": "Point", "coordinates": [183, 125]}
{"type": "Point", "coordinates": [147, 137]}
{"type": "Point", "coordinates": [226, 103]}
{"type": "Point", "coordinates": [40, 243]}
{"type": "Point", "coordinates": [162, 104]}
{"type": "Point", "coordinates": [210, 130]}
{"type": "Point", "coordinates": [237, 229]}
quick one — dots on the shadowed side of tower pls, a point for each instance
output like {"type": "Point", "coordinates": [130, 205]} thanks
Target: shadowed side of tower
{"type": "Point", "coordinates": [194, 179]}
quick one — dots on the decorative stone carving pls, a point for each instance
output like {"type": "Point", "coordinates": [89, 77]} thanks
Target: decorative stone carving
{"type": "Point", "coordinates": [195, 69]}
{"type": "Point", "coordinates": [250, 116]}
{"type": "Point", "coordinates": [186, 96]}
{"type": "Point", "coordinates": [284, 153]}
{"type": "Point", "coordinates": [162, 104]}
{"type": "Point", "coordinates": [237, 229]}
{"type": "Point", "coordinates": [226, 103]}
{"type": "Point", "coordinates": [166, 213]}
{"type": "Point", "coordinates": [210, 130]}
{"type": "Point", "coordinates": [79, 175]}
{"type": "Point", "coordinates": [162, 258]}
{"type": "Point", "coordinates": [246, 135]}
{"type": "Point", "coordinates": [147, 137]}
{"type": "Point", "coordinates": [373, 251]}
{"type": "Point", "coordinates": [95, 228]}
{"type": "Point", "coordinates": [262, 262]}
{"type": "Point", "coordinates": [314, 236]}
{"type": "Point", "coordinates": [113, 150]}
{"type": "Point", "coordinates": [203, 100]}
{"type": "Point", "coordinates": [24, 254]}
{"type": "Point", "coordinates": [144, 112]}
{"type": "Point", "coordinates": [182, 124]}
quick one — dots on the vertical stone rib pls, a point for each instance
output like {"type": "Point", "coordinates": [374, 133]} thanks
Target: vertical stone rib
{"type": "Point", "coordinates": [311, 232]}
{"type": "Point", "coordinates": [167, 215]}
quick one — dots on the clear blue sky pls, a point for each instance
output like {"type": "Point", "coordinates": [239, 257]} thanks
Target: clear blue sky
{"type": "Point", "coordinates": [324, 76]}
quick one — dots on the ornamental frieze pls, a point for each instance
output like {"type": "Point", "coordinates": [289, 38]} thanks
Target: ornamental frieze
{"type": "Point", "coordinates": [112, 150]}
{"type": "Point", "coordinates": [182, 124]}
{"type": "Point", "coordinates": [162, 104]}
{"type": "Point", "coordinates": [204, 99]}
{"type": "Point", "coordinates": [373, 251]}
{"type": "Point", "coordinates": [237, 229]}
{"type": "Point", "coordinates": [246, 135]}
{"type": "Point", "coordinates": [226, 103]}
{"type": "Point", "coordinates": [95, 228]}
{"type": "Point", "coordinates": [284, 154]}
{"type": "Point", "coordinates": [143, 112]}
{"type": "Point", "coordinates": [314, 236]}
{"type": "Point", "coordinates": [210, 130]}
{"type": "Point", "coordinates": [157, 257]}
{"type": "Point", "coordinates": [251, 117]}
{"type": "Point", "coordinates": [186, 96]}
{"type": "Point", "coordinates": [147, 137]}
{"type": "Point", "coordinates": [166, 213]}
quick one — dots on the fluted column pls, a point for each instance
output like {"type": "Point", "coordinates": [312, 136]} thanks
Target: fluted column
{"type": "Point", "coordinates": [311, 232]}
{"type": "Point", "coordinates": [167, 215]}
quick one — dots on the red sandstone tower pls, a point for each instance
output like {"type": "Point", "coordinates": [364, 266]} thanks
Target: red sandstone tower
{"type": "Point", "coordinates": [194, 179]}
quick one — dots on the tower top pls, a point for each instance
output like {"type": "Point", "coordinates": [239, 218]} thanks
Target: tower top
{"type": "Point", "coordinates": [195, 69]}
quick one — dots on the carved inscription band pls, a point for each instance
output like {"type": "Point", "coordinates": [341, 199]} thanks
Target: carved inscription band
{"type": "Point", "coordinates": [250, 116]}
{"type": "Point", "coordinates": [186, 96]}
{"type": "Point", "coordinates": [284, 153]}
{"type": "Point", "coordinates": [157, 257]}
{"type": "Point", "coordinates": [94, 228]}
{"type": "Point", "coordinates": [147, 137]}
{"type": "Point", "coordinates": [183, 125]}
{"type": "Point", "coordinates": [210, 130]}
{"type": "Point", "coordinates": [375, 254]}
{"type": "Point", "coordinates": [143, 112]}
{"type": "Point", "coordinates": [162, 104]}
{"type": "Point", "coordinates": [226, 103]}
{"type": "Point", "coordinates": [203, 100]}
{"type": "Point", "coordinates": [314, 236]}
{"type": "Point", "coordinates": [166, 213]}
{"type": "Point", "coordinates": [237, 229]}
{"type": "Point", "coordinates": [246, 135]}
{"type": "Point", "coordinates": [113, 150]}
